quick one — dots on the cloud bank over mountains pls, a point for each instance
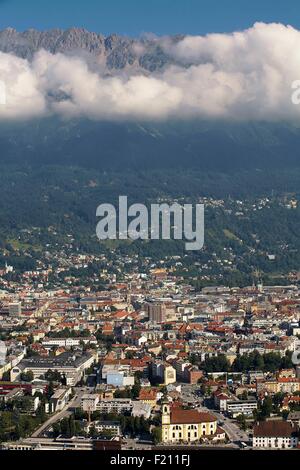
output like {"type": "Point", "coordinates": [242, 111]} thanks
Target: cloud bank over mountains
{"type": "Point", "coordinates": [243, 75]}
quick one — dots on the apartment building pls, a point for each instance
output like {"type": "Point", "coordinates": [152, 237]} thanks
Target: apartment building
{"type": "Point", "coordinates": [275, 435]}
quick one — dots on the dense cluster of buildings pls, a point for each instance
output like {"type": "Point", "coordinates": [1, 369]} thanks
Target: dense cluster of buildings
{"type": "Point", "coordinates": [138, 346]}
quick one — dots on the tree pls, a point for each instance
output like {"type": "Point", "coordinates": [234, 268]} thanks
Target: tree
{"type": "Point", "coordinates": [144, 425]}
{"type": "Point", "coordinates": [53, 376]}
{"type": "Point", "coordinates": [50, 390]}
{"type": "Point", "coordinates": [129, 355]}
{"type": "Point", "coordinates": [285, 414]}
{"type": "Point", "coordinates": [278, 399]}
{"type": "Point", "coordinates": [203, 389]}
{"type": "Point", "coordinates": [241, 420]}
{"type": "Point", "coordinates": [136, 388]}
{"type": "Point", "coordinates": [56, 429]}
{"type": "Point", "coordinates": [219, 363]}
{"type": "Point", "coordinates": [194, 359]}
{"type": "Point", "coordinates": [24, 403]}
{"type": "Point", "coordinates": [64, 427]}
{"type": "Point", "coordinates": [266, 408]}
{"type": "Point", "coordinates": [41, 414]}
{"type": "Point", "coordinates": [156, 435]}
{"type": "Point", "coordinates": [93, 431]}
{"type": "Point", "coordinates": [6, 376]}
{"type": "Point", "coordinates": [27, 376]}
{"type": "Point", "coordinates": [72, 427]}
{"type": "Point", "coordinates": [106, 434]}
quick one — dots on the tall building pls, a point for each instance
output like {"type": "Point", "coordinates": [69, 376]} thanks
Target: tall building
{"type": "Point", "coordinates": [157, 313]}
{"type": "Point", "coordinates": [164, 372]}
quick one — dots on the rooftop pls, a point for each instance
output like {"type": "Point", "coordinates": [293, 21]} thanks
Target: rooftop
{"type": "Point", "coordinates": [180, 416]}
{"type": "Point", "coordinates": [274, 429]}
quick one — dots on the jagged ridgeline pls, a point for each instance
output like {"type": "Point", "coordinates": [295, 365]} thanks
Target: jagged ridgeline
{"type": "Point", "coordinates": [265, 153]}
{"type": "Point", "coordinates": [119, 51]}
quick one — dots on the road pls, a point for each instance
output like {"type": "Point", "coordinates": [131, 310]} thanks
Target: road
{"type": "Point", "coordinates": [67, 411]}
{"type": "Point", "coordinates": [233, 431]}
{"type": "Point", "coordinates": [134, 444]}
{"type": "Point", "coordinates": [53, 419]}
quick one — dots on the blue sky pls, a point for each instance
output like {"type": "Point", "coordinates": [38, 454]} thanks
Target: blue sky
{"type": "Point", "coordinates": [134, 17]}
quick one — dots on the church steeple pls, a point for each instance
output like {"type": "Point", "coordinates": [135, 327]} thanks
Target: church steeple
{"type": "Point", "coordinates": [166, 413]}
{"type": "Point", "coordinates": [129, 307]}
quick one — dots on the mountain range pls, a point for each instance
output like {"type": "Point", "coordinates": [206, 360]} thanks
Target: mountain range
{"type": "Point", "coordinates": [207, 145]}
{"type": "Point", "coordinates": [119, 52]}
{"type": "Point", "coordinates": [55, 171]}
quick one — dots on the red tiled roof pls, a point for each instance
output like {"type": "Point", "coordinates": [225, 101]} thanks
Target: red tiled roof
{"type": "Point", "coordinates": [288, 380]}
{"type": "Point", "coordinates": [147, 394]}
{"type": "Point", "coordinates": [180, 416]}
{"type": "Point", "coordinates": [274, 429]}
{"type": "Point", "coordinates": [293, 399]}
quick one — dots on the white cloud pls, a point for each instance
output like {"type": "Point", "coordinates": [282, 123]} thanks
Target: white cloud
{"type": "Point", "coordinates": [23, 98]}
{"type": "Point", "coordinates": [243, 75]}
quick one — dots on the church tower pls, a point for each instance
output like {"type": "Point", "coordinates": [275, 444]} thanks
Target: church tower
{"type": "Point", "coordinates": [129, 307]}
{"type": "Point", "coordinates": [165, 419]}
